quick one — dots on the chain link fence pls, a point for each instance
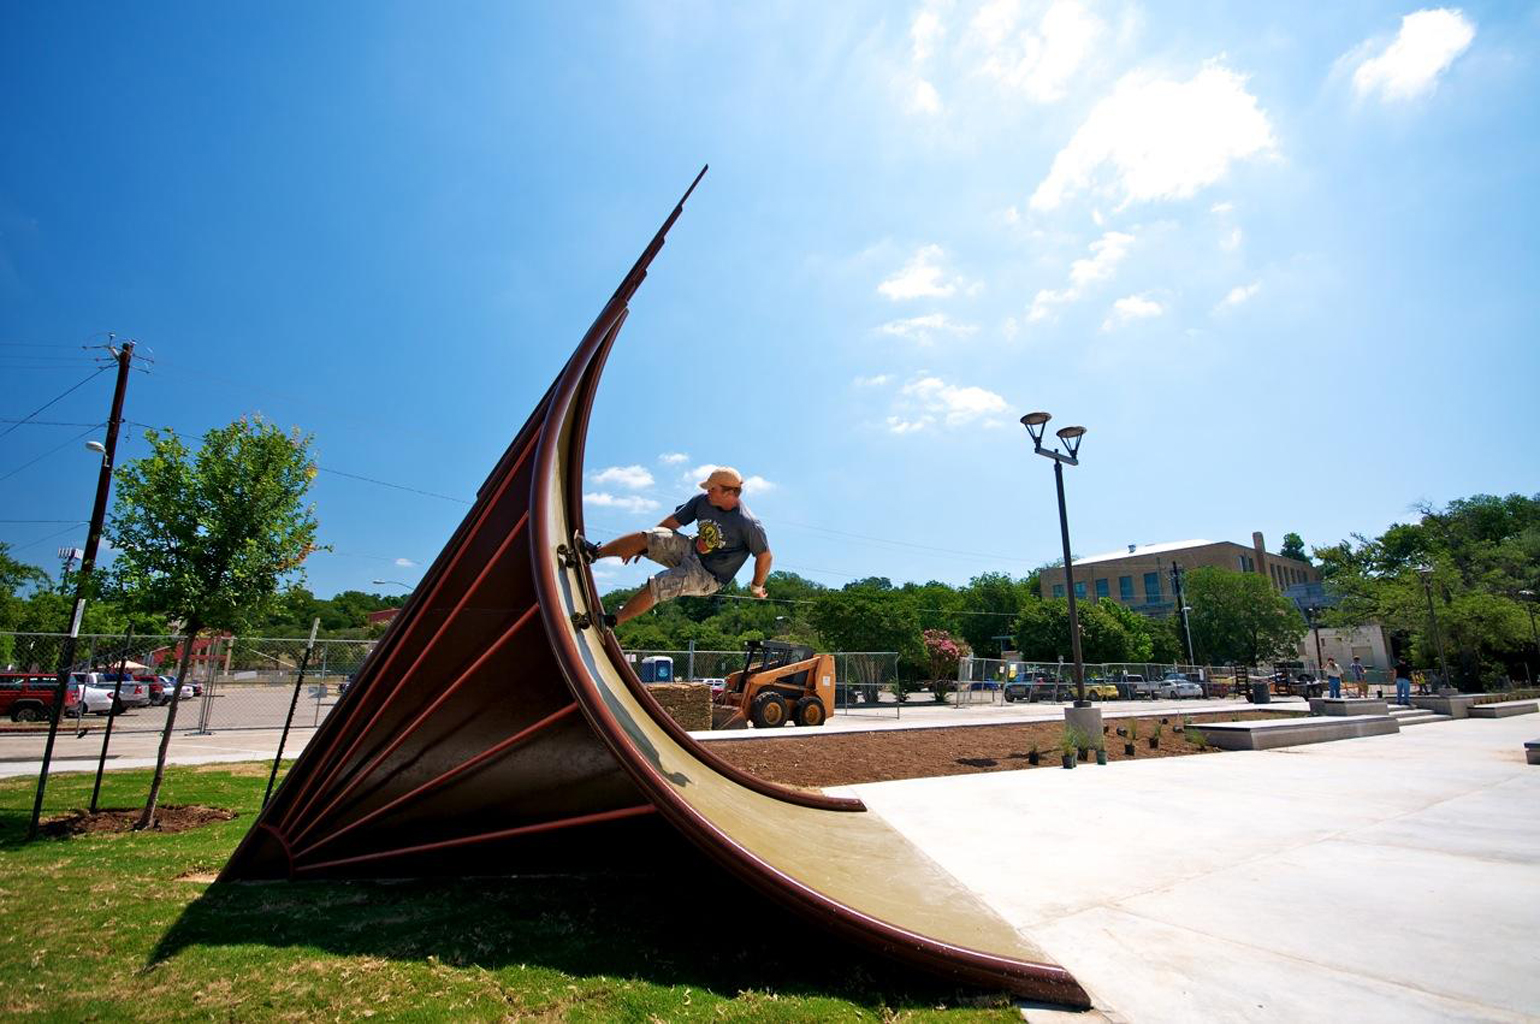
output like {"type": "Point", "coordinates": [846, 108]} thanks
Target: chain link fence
{"type": "Point", "coordinates": [863, 680]}
{"type": "Point", "coordinates": [232, 682]}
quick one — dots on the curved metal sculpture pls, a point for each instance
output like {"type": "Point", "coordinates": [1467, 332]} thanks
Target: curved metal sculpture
{"type": "Point", "coordinates": [495, 730]}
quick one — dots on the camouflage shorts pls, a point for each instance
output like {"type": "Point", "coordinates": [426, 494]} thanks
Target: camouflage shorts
{"type": "Point", "coordinates": [685, 576]}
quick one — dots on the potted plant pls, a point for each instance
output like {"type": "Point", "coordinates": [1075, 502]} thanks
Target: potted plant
{"type": "Point", "coordinates": [1069, 745]}
{"type": "Point", "coordinates": [1131, 736]}
{"type": "Point", "coordinates": [1032, 756]}
{"type": "Point", "coordinates": [1155, 738]}
{"type": "Point", "coordinates": [1101, 750]}
{"type": "Point", "coordinates": [1196, 738]}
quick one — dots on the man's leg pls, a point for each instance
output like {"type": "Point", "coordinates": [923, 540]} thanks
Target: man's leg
{"type": "Point", "coordinates": [640, 602]}
{"type": "Point", "coordinates": [627, 547]}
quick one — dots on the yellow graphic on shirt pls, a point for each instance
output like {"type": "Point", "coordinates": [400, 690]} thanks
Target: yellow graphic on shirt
{"type": "Point", "coordinates": [709, 538]}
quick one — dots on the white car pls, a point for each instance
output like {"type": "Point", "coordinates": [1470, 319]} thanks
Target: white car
{"type": "Point", "coordinates": [89, 699]}
{"type": "Point", "coordinates": [131, 693]}
{"type": "Point", "coordinates": [1177, 687]}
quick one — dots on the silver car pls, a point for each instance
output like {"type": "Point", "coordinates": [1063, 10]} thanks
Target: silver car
{"type": "Point", "coordinates": [1177, 687]}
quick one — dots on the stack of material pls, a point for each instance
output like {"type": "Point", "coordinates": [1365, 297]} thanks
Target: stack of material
{"type": "Point", "coordinates": [689, 704]}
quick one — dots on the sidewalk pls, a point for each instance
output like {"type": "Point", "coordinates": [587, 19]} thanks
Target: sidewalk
{"type": "Point", "coordinates": [1391, 878]}
{"type": "Point", "coordinates": [23, 755]}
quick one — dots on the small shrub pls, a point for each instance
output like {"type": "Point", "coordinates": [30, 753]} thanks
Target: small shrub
{"type": "Point", "coordinates": [939, 688]}
{"type": "Point", "coordinates": [900, 689]}
{"type": "Point", "coordinates": [1197, 739]}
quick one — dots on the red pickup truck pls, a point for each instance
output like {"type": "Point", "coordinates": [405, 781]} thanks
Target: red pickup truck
{"type": "Point", "coordinates": [27, 696]}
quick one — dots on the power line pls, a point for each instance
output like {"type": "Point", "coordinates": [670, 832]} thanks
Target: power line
{"type": "Point", "coordinates": [51, 401]}
{"type": "Point", "coordinates": [903, 543]}
{"type": "Point", "coordinates": [51, 536]}
{"type": "Point", "coordinates": [73, 521]}
{"type": "Point", "coordinates": [399, 487]}
{"type": "Point", "coordinates": [93, 427]}
{"type": "Point", "coordinates": [50, 423]}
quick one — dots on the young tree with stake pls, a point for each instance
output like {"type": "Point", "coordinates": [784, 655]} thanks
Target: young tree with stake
{"type": "Point", "coordinates": [208, 538]}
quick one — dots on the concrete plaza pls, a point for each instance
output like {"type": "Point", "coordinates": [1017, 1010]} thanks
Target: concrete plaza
{"type": "Point", "coordinates": [1392, 878]}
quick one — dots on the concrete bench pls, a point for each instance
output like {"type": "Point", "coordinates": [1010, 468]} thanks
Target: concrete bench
{"type": "Point", "coordinates": [1504, 709]}
{"type": "Point", "coordinates": [1293, 732]}
{"type": "Point", "coordinates": [1532, 751]}
{"type": "Point", "coordinates": [1347, 706]}
{"type": "Point", "coordinates": [1455, 707]}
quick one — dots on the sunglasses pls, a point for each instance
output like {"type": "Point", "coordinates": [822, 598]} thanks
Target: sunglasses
{"type": "Point", "coordinates": [728, 490]}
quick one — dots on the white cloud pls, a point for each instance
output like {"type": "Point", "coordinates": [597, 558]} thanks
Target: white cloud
{"type": "Point", "coordinates": [1011, 215]}
{"type": "Point", "coordinates": [925, 31]}
{"type": "Point", "coordinates": [1037, 62]}
{"type": "Point", "coordinates": [1239, 294]}
{"type": "Point", "coordinates": [1106, 253]}
{"type": "Point", "coordinates": [1224, 207]}
{"type": "Point", "coordinates": [1427, 44]}
{"type": "Point", "coordinates": [924, 329]}
{"type": "Point", "coordinates": [875, 381]}
{"type": "Point", "coordinates": [924, 99]}
{"type": "Point", "coordinates": [673, 458]}
{"type": "Point", "coordinates": [1159, 139]}
{"type": "Point", "coordinates": [930, 400]}
{"type": "Point", "coordinates": [921, 277]}
{"type": "Point", "coordinates": [627, 503]}
{"type": "Point", "coordinates": [1233, 240]}
{"type": "Point", "coordinates": [1010, 328]}
{"type": "Point", "coordinates": [1132, 307]}
{"type": "Point", "coordinates": [752, 485]}
{"type": "Point", "coordinates": [406, 563]}
{"type": "Point", "coordinates": [631, 477]}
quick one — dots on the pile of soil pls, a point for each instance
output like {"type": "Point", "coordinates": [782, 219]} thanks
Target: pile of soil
{"type": "Point", "coordinates": [847, 758]}
{"type": "Point", "coordinates": [168, 818]}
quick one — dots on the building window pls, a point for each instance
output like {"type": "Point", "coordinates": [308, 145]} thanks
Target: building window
{"type": "Point", "coordinates": [1080, 590]}
{"type": "Point", "coordinates": [1151, 588]}
{"type": "Point", "coordinates": [1058, 590]}
{"type": "Point", "coordinates": [1102, 589]}
{"type": "Point", "coordinates": [1126, 589]}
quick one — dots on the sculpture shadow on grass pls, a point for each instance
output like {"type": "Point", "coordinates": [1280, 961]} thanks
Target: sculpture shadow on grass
{"type": "Point", "coordinates": [683, 924]}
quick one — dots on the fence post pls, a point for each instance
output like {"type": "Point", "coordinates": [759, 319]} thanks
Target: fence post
{"type": "Point", "coordinates": [299, 681]}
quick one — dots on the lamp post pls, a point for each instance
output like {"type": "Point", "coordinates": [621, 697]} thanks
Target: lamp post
{"type": "Point", "coordinates": [1313, 613]}
{"type": "Point", "coordinates": [1036, 423]}
{"type": "Point", "coordinates": [393, 583]}
{"type": "Point", "coordinates": [1426, 572]}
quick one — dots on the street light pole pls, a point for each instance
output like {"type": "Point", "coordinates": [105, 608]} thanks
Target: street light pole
{"type": "Point", "coordinates": [1036, 423]}
{"type": "Point", "coordinates": [124, 357]}
{"type": "Point", "coordinates": [1426, 572]}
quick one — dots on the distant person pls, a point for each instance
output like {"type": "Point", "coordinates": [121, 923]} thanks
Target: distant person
{"type": "Point", "coordinates": [1359, 675]}
{"type": "Point", "coordinates": [1403, 682]}
{"type": "Point", "coordinates": [698, 566]}
{"type": "Point", "coordinates": [1333, 678]}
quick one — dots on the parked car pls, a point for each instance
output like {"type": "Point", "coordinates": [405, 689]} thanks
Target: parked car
{"type": "Point", "coordinates": [130, 693]}
{"type": "Point", "coordinates": [1131, 685]}
{"type": "Point", "coordinates": [95, 693]}
{"type": "Point", "coordinates": [157, 688]}
{"type": "Point", "coordinates": [88, 699]}
{"type": "Point", "coordinates": [1177, 686]}
{"type": "Point", "coordinates": [28, 696]}
{"type": "Point", "coordinates": [1099, 689]}
{"type": "Point", "coordinates": [1037, 688]}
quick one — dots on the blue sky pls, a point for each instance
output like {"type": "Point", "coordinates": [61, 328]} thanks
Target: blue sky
{"type": "Point", "coordinates": [1279, 261]}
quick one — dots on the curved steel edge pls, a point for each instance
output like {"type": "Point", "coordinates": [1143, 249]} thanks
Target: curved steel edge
{"type": "Point", "coordinates": [587, 389]}
{"type": "Point", "coordinates": [1046, 981]}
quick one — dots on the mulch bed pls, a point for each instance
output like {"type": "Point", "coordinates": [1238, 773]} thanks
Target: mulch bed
{"type": "Point", "coordinates": [841, 759]}
{"type": "Point", "coordinates": [168, 818]}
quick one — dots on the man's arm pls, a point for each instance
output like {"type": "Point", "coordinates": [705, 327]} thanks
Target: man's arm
{"type": "Point", "coordinates": [761, 571]}
{"type": "Point", "coordinates": [670, 523]}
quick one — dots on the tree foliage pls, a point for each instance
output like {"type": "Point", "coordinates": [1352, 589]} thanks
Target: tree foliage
{"type": "Point", "coordinates": [209, 538]}
{"type": "Point", "coordinates": [1294, 547]}
{"type": "Point", "coordinates": [1481, 551]}
{"type": "Point", "coordinates": [1239, 617]}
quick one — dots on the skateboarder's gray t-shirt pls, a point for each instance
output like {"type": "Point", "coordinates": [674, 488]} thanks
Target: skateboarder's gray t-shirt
{"type": "Point", "coordinates": [724, 540]}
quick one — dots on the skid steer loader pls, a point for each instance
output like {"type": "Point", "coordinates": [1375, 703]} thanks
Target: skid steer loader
{"type": "Point", "coordinates": [779, 683]}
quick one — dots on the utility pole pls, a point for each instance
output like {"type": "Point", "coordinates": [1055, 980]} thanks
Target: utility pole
{"type": "Point", "coordinates": [1181, 604]}
{"type": "Point", "coordinates": [124, 356]}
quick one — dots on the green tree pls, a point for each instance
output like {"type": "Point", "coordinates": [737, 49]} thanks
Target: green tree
{"type": "Point", "coordinates": [1239, 617]}
{"type": "Point", "coordinates": [869, 619]}
{"type": "Point", "coordinates": [1108, 631]}
{"type": "Point", "coordinates": [208, 538]}
{"type": "Point", "coordinates": [1294, 547]}
{"type": "Point", "coordinates": [993, 600]}
{"type": "Point", "coordinates": [14, 578]}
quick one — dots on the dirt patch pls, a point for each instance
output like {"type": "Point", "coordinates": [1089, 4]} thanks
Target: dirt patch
{"type": "Point", "coordinates": [847, 758]}
{"type": "Point", "coordinates": [168, 818]}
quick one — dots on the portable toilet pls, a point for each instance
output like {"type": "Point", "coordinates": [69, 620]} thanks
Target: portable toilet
{"type": "Point", "coordinates": [658, 669]}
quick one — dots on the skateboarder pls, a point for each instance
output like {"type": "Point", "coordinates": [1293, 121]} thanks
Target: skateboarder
{"type": "Point", "coordinates": [727, 534]}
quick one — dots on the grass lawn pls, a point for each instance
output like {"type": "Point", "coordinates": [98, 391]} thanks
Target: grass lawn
{"type": "Point", "coordinates": [129, 927]}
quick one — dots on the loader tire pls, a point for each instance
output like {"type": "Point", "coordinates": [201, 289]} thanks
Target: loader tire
{"type": "Point", "coordinates": [768, 710]}
{"type": "Point", "coordinates": [810, 711]}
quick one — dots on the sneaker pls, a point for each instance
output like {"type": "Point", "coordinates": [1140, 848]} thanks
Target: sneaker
{"type": "Point", "coordinates": [589, 549]}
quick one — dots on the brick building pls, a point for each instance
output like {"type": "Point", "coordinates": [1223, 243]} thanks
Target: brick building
{"type": "Point", "coordinates": [1140, 578]}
